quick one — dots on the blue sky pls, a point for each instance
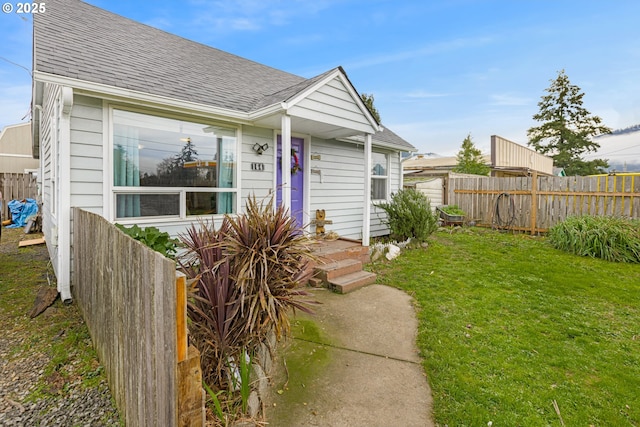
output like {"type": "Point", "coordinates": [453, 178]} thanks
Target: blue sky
{"type": "Point", "coordinates": [439, 70]}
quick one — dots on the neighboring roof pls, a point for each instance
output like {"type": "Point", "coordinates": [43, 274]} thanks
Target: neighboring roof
{"type": "Point", "coordinates": [444, 163]}
{"type": "Point", "coordinates": [558, 171]}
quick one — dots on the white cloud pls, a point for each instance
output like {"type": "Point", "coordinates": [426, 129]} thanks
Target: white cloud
{"type": "Point", "coordinates": [250, 15]}
{"type": "Point", "coordinates": [508, 99]}
{"type": "Point", "coordinates": [420, 94]}
{"type": "Point", "coordinates": [430, 49]}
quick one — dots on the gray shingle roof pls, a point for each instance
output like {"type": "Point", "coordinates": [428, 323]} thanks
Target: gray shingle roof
{"type": "Point", "coordinates": [388, 138]}
{"type": "Point", "coordinates": [386, 135]}
{"type": "Point", "coordinates": [80, 41]}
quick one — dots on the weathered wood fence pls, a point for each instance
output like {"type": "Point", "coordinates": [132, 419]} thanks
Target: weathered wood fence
{"type": "Point", "coordinates": [16, 186]}
{"type": "Point", "coordinates": [537, 203]}
{"type": "Point", "coordinates": [134, 304]}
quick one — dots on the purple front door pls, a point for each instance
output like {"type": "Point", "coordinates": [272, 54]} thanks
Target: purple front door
{"type": "Point", "coordinates": [295, 162]}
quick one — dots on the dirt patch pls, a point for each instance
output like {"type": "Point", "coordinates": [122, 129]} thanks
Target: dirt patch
{"type": "Point", "coordinates": [47, 364]}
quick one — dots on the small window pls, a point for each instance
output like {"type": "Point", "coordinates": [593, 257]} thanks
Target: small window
{"type": "Point", "coordinates": [379, 176]}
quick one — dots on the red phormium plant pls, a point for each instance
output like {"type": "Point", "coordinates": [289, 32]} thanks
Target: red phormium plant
{"type": "Point", "coordinates": [247, 276]}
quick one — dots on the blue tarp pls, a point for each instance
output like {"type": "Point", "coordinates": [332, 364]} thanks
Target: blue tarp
{"type": "Point", "coordinates": [22, 211]}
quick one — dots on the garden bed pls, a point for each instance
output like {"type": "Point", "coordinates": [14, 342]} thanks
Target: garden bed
{"type": "Point", "coordinates": [451, 215]}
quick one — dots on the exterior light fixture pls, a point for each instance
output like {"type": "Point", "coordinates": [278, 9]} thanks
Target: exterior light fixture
{"type": "Point", "coordinates": [260, 148]}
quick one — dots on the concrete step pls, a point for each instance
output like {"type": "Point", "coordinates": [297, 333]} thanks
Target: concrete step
{"type": "Point", "coordinates": [334, 269]}
{"type": "Point", "coordinates": [352, 281]}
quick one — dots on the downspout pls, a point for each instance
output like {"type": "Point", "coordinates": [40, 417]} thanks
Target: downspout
{"type": "Point", "coordinates": [64, 199]}
{"type": "Point", "coordinates": [366, 220]}
{"type": "Point", "coordinates": [286, 162]}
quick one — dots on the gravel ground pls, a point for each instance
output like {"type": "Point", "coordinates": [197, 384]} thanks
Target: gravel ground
{"type": "Point", "coordinates": [21, 368]}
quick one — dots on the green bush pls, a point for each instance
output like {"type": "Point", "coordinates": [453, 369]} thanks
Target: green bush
{"type": "Point", "coordinates": [153, 238]}
{"type": "Point", "coordinates": [609, 238]}
{"type": "Point", "coordinates": [409, 215]}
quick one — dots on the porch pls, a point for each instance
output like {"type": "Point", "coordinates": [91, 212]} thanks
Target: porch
{"type": "Point", "coordinates": [339, 265]}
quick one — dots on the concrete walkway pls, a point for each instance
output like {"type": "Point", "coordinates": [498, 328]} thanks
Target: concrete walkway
{"type": "Point", "coordinates": [354, 363]}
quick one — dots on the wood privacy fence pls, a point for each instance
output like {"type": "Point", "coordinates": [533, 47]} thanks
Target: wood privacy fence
{"type": "Point", "coordinates": [537, 203]}
{"type": "Point", "coordinates": [134, 305]}
{"type": "Point", "coordinates": [17, 186]}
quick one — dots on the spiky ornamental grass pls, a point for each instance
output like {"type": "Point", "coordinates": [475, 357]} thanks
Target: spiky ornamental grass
{"type": "Point", "coordinates": [248, 275]}
{"type": "Point", "coordinates": [609, 238]}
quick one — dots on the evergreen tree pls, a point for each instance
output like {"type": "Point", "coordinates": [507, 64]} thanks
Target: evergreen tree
{"type": "Point", "coordinates": [470, 159]}
{"type": "Point", "coordinates": [567, 129]}
{"type": "Point", "coordinates": [368, 101]}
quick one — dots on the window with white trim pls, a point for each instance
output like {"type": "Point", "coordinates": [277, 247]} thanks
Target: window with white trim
{"type": "Point", "coordinates": [379, 176]}
{"type": "Point", "coordinates": [172, 168]}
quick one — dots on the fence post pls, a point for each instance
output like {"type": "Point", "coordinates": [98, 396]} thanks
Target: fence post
{"type": "Point", "coordinates": [534, 201]}
{"type": "Point", "coordinates": [190, 397]}
{"type": "Point", "coordinates": [181, 315]}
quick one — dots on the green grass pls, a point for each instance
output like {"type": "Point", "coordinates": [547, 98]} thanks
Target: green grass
{"type": "Point", "coordinates": [60, 334]}
{"type": "Point", "coordinates": [507, 325]}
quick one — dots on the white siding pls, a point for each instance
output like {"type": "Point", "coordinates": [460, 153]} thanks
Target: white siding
{"type": "Point", "coordinates": [432, 188]}
{"type": "Point", "coordinates": [48, 131]}
{"type": "Point", "coordinates": [333, 104]}
{"type": "Point", "coordinates": [254, 182]}
{"type": "Point", "coordinates": [86, 154]}
{"type": "Point", "coordinates": [338, 187]}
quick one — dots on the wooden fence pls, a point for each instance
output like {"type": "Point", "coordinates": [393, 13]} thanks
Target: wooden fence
{"type": "Point", "coordinates": [134, 305]}
{"type": "Point", "coordinates": [16, 186]}
{"type": "Point", "coordinates": [537, 203]}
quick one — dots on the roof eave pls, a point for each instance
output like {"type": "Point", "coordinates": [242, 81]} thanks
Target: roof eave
{"type": "Point", "coordinates": [379, 144]}
{"type": "Point", "coordinates": [120, 94]}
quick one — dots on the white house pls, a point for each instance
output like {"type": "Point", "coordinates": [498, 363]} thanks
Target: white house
{"type": "Point", "coordinates": [141, 126]}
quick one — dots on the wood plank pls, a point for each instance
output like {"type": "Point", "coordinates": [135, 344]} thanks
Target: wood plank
{"type": "Point", "coordinates": [181, 316]}
{"type": "Point", "coordinates": [31, 242]}
{"type": "Point", "coordinates": [190, 393]}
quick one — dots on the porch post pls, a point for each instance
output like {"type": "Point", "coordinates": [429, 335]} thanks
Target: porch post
{"type": "Point", "coordinates": [366, 220]}
{"type": "Point", "coordinates": [286, 162]}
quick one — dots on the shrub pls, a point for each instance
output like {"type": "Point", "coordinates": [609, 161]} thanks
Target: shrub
{"type": "Point", "coordinates": [409, 215]}
{"type": "Point", "coordinates": [152, 237]}
{"type": "Point", "coordinates": [452, 210]}
{"type": "Point", "coordinates": [246, 276]}
{"type": "Point", "coordinates": [609, 238]}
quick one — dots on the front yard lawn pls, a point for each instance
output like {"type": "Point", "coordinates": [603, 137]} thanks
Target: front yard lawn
{"type": "Point", "coordinates": [509, 325]}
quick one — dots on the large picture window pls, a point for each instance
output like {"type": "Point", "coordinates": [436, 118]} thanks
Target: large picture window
{"type": "Point", "coordinates": [167, 167]}
{"type": "Point", "coordinates": [379, 176]}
